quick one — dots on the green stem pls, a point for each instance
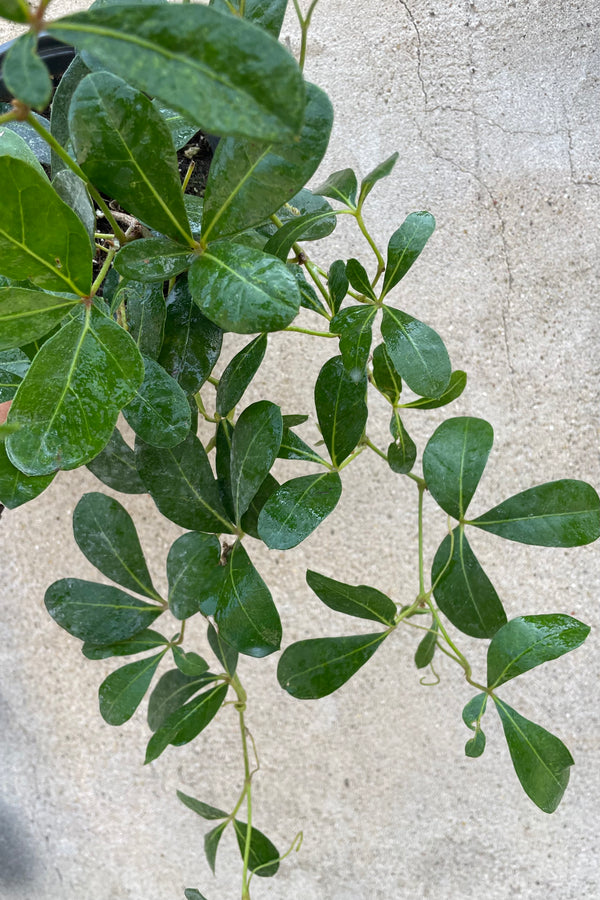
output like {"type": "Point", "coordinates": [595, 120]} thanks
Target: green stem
{"type": "Point", "coordinates": [421, 563]}
{"type": "Point", "coordinates": [368, 443]}
{"type": "Point", "coordinates": [64, 156]}
{"type": "Point", "coordinates": [7, 117]}
{"type": "Point", "coordinates": [380, 261]}
{"type": "Point", "coordinates": [325, 334]}
{"type": "Point", "coordinates": [103, 271]}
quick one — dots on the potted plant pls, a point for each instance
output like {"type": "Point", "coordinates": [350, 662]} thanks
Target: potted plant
{"type": "Point", "coordinates": [141, 333]}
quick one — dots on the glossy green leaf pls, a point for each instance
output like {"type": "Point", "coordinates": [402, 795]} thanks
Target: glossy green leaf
{"type": "Point", "coordinates": [355, 327]}
{"type": "Point", "coordinates": [146, 313]}
{"type": "Point", "coordinates": [556, 514]}
{"type": "Point", "coordinates": [34, 141]}
{"type": "Point", "coordinates": [25, 74]}
{"type": "Point", "coordinates": [264, 855]}
{"type": "Point", "coordinates": [249, 521]}
{"type": "Point", "coordinates": [528, 641]}
{"type": "Point", "coordinates": [182, 130]}
{"type": "Point", "coordinates": [340, 186]}
{"type": "Point", "coordinates": [13, 368]}
{"type": "Point", "coordinates": [172, 691]}
{"type": "Point", "coordinates": [227, 656]}
{"type": "Point", "coordinates": [379, 172]}
{"type": "Point", "coordinates": [454, 460]}
{"type": "Point", "coordinates": [105, 534]}
{"type": "Point", "coordinates": [301, 204]}
{"type": "Point", "coordinates": [239, 373]}
{"type": "Point", "coordinates": [122, 692]}
{"type": "Point", "coordinates": [360, 281]}
{"type": "Point", "coordinates": [227, 75]}
{"type": "Point", "coordinates": [40, 237]}
{"type": "Point", "coordinates": [201, 809]}
{"type": "Point", "coordinates": [17, 488]}
{"type": "Point", "coordinates": [456, 385]}
{"type": "Point", "coordinates": [341, 409]}
{"type": "Point", "coordinates": [250, 180]}
{"type": "Point", "coordinates": [139, 643]}
{"type": "Point", "coordinates": [223, 439]}
{"type": "Point", "coordinates": [193, 894]}
{"type": "Point", "coordinates": [308, 295]}
{"type": "Point", "coordinates": [426, 649]}
{"type": "Point", "coordinates": [124, 147]}
{"type": "Point", "coordinates": [211, 843]}
{"type": "Point", "coordinates": [68, 403]}
{"type": "Point", "coordinates": [181, 483]}
{"type": "Point", "coordinates": [312, 669]}
{"type": "Point", "coordinates": [186, 723]}
{"type": "Point", "coordinates": [405, 246]}
{"type": "Point", "coordinates": [337, 279]}
{"type": "Point", "coordinates": [244, 290]}
{"type": "Point", "coordinates": [12, 144]}
{"type": "Point", "coordinates": [26, 315]}
{"type": "Point", "coordinates": [361, 601]}
{"type": "Point", "coordinates": [293, 447]}
{"type": "Point", "coordinates": [159, 411]}
{"type": "Point", "coordinates": [115, 466]}
{"type": "Point", "coordinates": [246, 616]}
{"type": "Point", "coordinates": [97, 613]}
{"type": "Point", "coordinates": [417, 352]}
{"type": "Point", "coordinates": [191, 344]}
{"type": "Point", "coordinates": [59, 111]}
{"type": "Point", "coordinates": [15, 10]}
{"type": "Point", "coordinates": [194, 574]}
{"type": "Point", "coordinates": [297, 508]}
{"type": "Point", "coordinates": [311, 227]}
{"type": "Point", "coordinates": [386, 379]}
{"type": "Point", "coordinates": [402, 452]}
{"type": "Point", "coordinates": [73, 191]}
{"type": "Point", "coordinates": [153, 259]}
{"type": "Point", "coordinates": [269, 14]}
{"type": "Point", "coordinates": [541, 760]}
{"type": "Point", "coordinates": [472, 715]}
{"type": "Point", "coordinates": [254, 449]}
{"type": "Point", "coordinates": [188, 662]}
{"type": "Point", "coordinates": [463, 591]}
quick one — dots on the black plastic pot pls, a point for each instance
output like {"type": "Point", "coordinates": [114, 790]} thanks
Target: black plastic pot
{"type": "Point", "coordinates": [57, 57]}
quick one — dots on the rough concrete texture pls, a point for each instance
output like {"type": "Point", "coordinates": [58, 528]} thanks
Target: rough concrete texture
{"type": "Point", "coordinates": [494, 109]}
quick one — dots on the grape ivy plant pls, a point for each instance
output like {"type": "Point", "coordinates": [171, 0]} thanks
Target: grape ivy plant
{"type": "Point", "coordinates": [116, 286]}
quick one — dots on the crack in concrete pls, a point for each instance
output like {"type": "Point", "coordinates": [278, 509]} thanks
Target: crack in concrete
{"type": "Point", "coordinates": [413, 22]}
{"type": "Point", "coordinates": [578, 182]}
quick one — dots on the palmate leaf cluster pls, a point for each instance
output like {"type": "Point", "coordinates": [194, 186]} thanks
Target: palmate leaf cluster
{"type": "Point", "coordinates": [143, 338]}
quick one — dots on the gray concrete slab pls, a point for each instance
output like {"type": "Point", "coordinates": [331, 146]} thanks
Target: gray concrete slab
{"type": "Point", "coordinates": [493, 108]}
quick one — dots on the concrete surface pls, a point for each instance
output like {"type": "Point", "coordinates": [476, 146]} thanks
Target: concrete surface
{"type": "Point", "coordinates": [494, 108]}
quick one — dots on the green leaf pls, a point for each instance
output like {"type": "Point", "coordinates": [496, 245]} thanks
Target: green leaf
{"type": "Point", "coordinates": [355, 327]}
{"type": "Point", "coordinates": [153, 259]}
{"type": "Point", "coordinates": [556, 514]}
{"type": "Point", "coordinates": [201, 809]}
{"type": "Point", "coordinates": [456, 385]}
{"type": "Point", "coordinates": [139, 643]}
{"type": "Point", "coordinates": [186, 723]}
{"type": "Point", "coordinates": [33, 140]}
{"type": "Point", "coordinates": [227, 656]}
{"type": "Point", "coordinates": [13, 368]}
{"type": "Point", "coordinates": [472, 715]}
{"type": "Point", "coordinates": [211, 843]}
{"type": "Point", "coordinates": [17, 488]}
{"type": "Point", "coordinates": [340, 186]}
{"type": "Point", "coordinates": [122, 692]}
{"type": "Point", "coordinates": [426, 649]}
{"type": "Point", "coordinates": [249, 521]}
{"type": "Point", "coordinates": [12, 144]}
{"type": "Point", "coordinates": [308, 295]}
{"type": "Point", "coordinates": [115, 466]}
{"type": "Point", "coordinates": [405, 246]}
{"type": "Point", "coordinates": [73, 190]}
{"type": "Point", "coordinates": [40, 237]}
{"type": "Point", "coordinates": [379, 172]}
{"type": "Point", "coordinates": [463, 591]}
{"type": "Point", "coordinates": [337, 279]}
{"type": "Point", "coordinates": [454, 460]}
{"type": "Point", "coordinates": [26, 315]}
{"type": "Point", "coordinates": [310, 227]}
{"type": "Point", "coordinates": [360, 281]}
{"type": "Point", "coordinates": [264, 855]}
{"type": "Point", "coordinates": [189, 663]}
{"type": "Point", "coordinates": [124, 147]}
{"type": "Point", "coordinates": [194, 574]}
{"type": "Point", "coordinates": [181, 483]}
{"type": "Point", "coordinates": [293, 447]}
{"type": "Point", "coordinates": [361, 601]}
{"type": "Point", "coordinates": [301, 204]}
{"type": "Point", "coordinates": [24, 73]}
{"type": "Point", "coordinates": [239, 373]}
{"type": "Point", "coordinates": [223, 439]}
{"type": "Point", "coordinates": [246, 616]}
{"type": "Point", "coordinates": [528, 641]}
{"type": "Point", "coordinates": [312, 669]}
{"type": "Point", "coordinates": [541, 760]}
{"type": "Point", "coordinates": [249, 180]}
{"type": "Point", "coordinates": [105, 534]}
{"type": "Point", "coordinates": [15, 10]}
{"type": "Point", "coordinates": [254, 449]}
{"type": "Point", "coordinates": [173, 690]}
{"type": "Point", "coordinates": [193, 894]}
{"type": "Point", "coordinates": [269, 14]}
{"type": "Point", "coordinates": [244, 290]}
{"type": "Point", "coordinates": [402, 452]}
{"type": "Point", "coordinates": [227, 75]}
{"type": "Point", "coordinates": [146, 314]}
{"type": "Point", "coordinates": [417, 352]}
{"type": "Point", "coordinates": [297, 508]}
{"type": "Point", "coordinates": [97, 613]}
{"type": "Point", "coordinates": [67, 404]}
{"type": "Point", "coordinates": [386, 379]}
{"type": "Point", "coordinates": [59, 112]}
{"type": "Point", "coordinates": [191, 344]}
{"type": "Point", "coordinates": [159, 412]}
{"type": "Point", "coordinates": [341, 409]}
{"type": "Point", "coordinates": [182, 130]}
